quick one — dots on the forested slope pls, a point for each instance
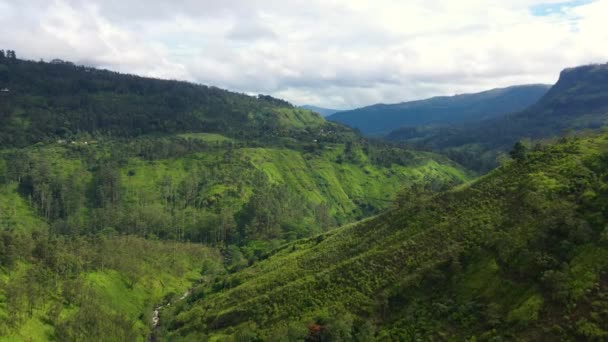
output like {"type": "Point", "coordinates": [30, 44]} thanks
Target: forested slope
{"type": "Point", "coordinates": [117, 192]}
{"type": "Point", "coordinates": [101, 288]}
{"type": "Point", "coordinates": [521, 253]}
{"type": "Point", "coordinates": [92, 150]}
{"type": "Point", "coordinates": [45, 101]}
{"type": "Point", "coordinates": [205, 188]}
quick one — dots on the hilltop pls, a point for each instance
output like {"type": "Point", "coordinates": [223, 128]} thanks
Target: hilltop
{"type": "Point", "coordinates": [61, 100]}
{"type": "Point", "coordinates": [92, 149]}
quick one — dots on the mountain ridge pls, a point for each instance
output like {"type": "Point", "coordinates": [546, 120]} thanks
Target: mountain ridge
{"type": "Point", "coordinates": [578, 101]}
{"type": "Point", "coordinates": [50, 101]}
{"type": "Point", "coordinates": [380, 119]}
{"type": "Point", "coordinates": [325, 112]}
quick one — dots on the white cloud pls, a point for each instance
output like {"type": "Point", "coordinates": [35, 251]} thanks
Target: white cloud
{"type": "Point", "coordinates": [338, 53]}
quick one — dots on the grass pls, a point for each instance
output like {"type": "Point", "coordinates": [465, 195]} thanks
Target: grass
{"type": "Point", "coordinates": [16, 213]}
{"type": "Point", "coordinates": [163, 269]}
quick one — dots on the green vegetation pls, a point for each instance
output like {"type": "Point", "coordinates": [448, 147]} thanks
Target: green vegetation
{"type": "Point", "coordinates": [212, 191]}
{"type": "Point", "coordinates": [99, 288]}
{"type": "Point", "coordinates": [45, 102]}
{"type": "Point", "coordinates": [179, 161]}
{"type": "Point", "coordinates": [521, 253]}
{"type": "Point", "coordinates": [117, 193]}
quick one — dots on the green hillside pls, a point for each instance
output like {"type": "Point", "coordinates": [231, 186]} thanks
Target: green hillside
{"type": "Point", "coordinates": [101, 288]}
{"type": "Point", "coordinates": [45, 101]}
{"type": "Point", "coordinates": [521, 253]}
{"type": "Point", "coordinates": [93, 150]}
{"type": "Point", "coordinates": [118, 193]}
{"type": "Point", "coordinates": [205, 188]}
{"type": "Point", "coordinates": [381, 119]}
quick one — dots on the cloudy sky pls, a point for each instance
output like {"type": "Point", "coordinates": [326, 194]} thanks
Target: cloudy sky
{"type": "Point", "coordinates": [332, 53]}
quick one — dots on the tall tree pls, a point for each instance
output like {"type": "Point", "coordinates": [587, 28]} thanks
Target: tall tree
{"type": "Point", "coordinates": [519, 151]}
{"type": "Point", "coordinates": [107, 186]}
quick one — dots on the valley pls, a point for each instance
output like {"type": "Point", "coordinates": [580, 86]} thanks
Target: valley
{"type": "Point", "coordinates": [139, 208]}
{"type": "Point", "coordinates": [145, 213]}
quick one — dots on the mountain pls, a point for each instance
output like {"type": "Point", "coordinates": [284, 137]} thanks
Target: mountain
{"type": "Point", "coordinates": [92, 143]}
{"type": "Point", "coordinates": [381, 119]}
{"type": "Point", "coordinates": [578, 101]}
{"type": "Point", "coordinates": [49, 101]}
{"type": "Point", "coordinates": [323, 111]}
{"type": "Point", "coordinates": [520, 254]}
{"type": "Point", "coordinates": [116, 191]}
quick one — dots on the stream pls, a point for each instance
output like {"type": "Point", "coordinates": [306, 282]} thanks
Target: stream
{"type": "Point", "coordinates": [156, 316]}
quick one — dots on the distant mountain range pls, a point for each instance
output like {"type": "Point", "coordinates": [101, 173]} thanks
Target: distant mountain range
{"type": "Point", "coordinates": [323, 111]}
{"type": "Point", "coordinates": [578, 101]}
{"type": "Point", "coordinates": [380, 119]}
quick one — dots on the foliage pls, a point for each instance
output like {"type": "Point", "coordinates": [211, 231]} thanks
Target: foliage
{"type": "Point", "coordinates": [212, 193]}
{"type": "Point", "coordinates": [517, 254]}
{"type": "Point", "coordinates": [50, 101]}
{"type": "Point", "coordinates": [106, 179]}
{"type": "Point", "coordinates": [98, 287]}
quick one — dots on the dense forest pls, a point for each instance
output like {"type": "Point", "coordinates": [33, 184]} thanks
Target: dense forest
{"type": "Point", "coordinates": [206, 188]}
{"type": "Point", "coordinates": [136, 209]}
{"type": "Point", "coordinates": [48, 101]}
{"type": "Point", "coordinates": [117, 192]}
{"type": "Point", "coordinates": [521, 253]}
{"type": "Point", "coordinates": [99, 287]}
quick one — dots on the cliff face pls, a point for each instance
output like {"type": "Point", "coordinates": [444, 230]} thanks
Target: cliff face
{"type": "Point", "coordinates": [579, 90]}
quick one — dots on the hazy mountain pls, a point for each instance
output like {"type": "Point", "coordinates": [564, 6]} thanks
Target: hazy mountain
{"type": "Point", "coordinates": [323, 111]}
{"type": "Point", "coordinates": [381, 119]}
{"type": "Point", "coordinates": [578, 101]}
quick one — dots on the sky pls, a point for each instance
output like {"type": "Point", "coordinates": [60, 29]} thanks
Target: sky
{"type": "Point", "coordinates": [331, 53]}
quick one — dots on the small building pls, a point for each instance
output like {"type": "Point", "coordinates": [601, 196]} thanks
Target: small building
{"type": "Point", "coordinates": [5, 90]}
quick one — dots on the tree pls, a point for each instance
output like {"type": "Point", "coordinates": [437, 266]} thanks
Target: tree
{"type": "Point", "coordinates": [519, 151]}
{"type": "Point", "coordinates": [107, 186]}
{"type": "Point", "coordinates": [8, 252]}
{"type": "Point", "coordinates": [2, 55]}
{"type": "Point", "coordinates": [10, 54]}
